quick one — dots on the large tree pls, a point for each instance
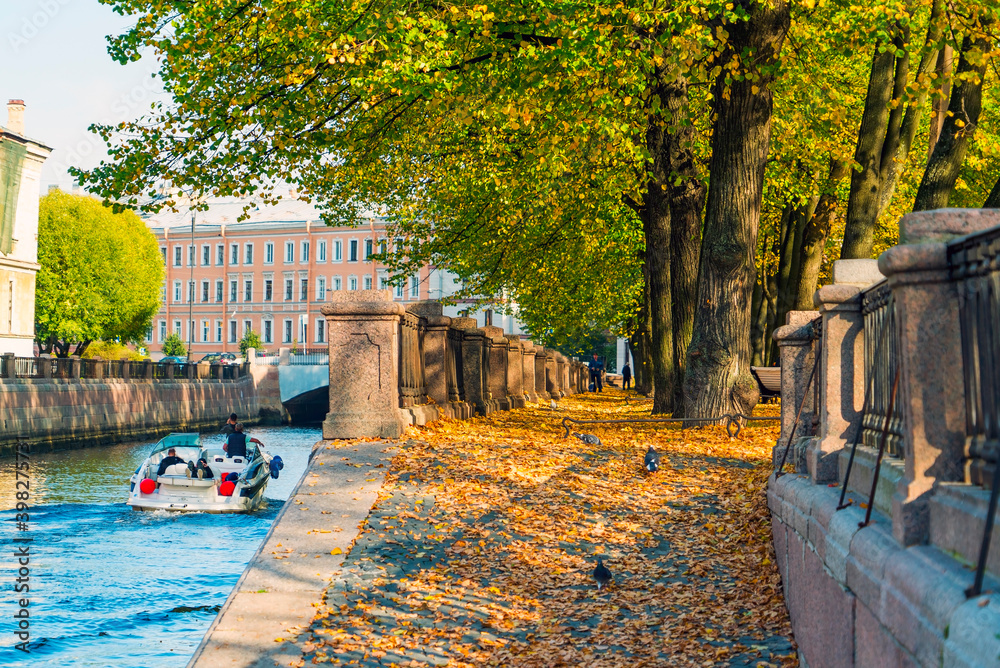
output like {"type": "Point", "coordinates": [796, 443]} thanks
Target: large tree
{"type": "Point", "coordinates": [100, 278]}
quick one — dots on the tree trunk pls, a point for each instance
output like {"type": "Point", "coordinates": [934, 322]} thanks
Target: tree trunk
{"type": "Point", "coordinates": [687, 198]}
{"type": "Point", "coordinates": [815, 234]}
{"type": "Point", "coordinates": [641, 363]}
{"type": "Point", "coordinates": [993, 199]}
{"type": "Point", "coordinates": [863, 201]}
{"type": "Point", "coordinates": [939, 108]}
{"type": "Point", "coordinates": [770, 287]}
{"type": "Point", "coordinates": [956, 133]}
{"type": "Point", "coordinates": [718, 379]}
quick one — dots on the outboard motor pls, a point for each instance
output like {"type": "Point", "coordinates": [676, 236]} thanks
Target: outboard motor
{"type": "Point", "coordinates": [275, 465]}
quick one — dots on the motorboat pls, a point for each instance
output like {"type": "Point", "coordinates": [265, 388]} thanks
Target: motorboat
{"type": "Point", "coordinates": [237, 484]}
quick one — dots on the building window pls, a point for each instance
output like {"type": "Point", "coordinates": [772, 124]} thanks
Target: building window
{"type": "Point", "coordinates": [204, 331]}
{"type": "Point", "coordinates": [368, 249]}
{"type": "Point", "coordinates": [288, 289]}
{"type": "Point", "coordinates": [234, 254]}
{"type": "Point", "coordinates": [304, 290]}
{"type": "Point", "coordinates": [177, 256]}
{"type": "Point", "coordinates": [289, 252]}
{"type": "Point", "coordinates": [204, 291]}
{"type": "Point", "coordinates": [368, 282]}
{"type": "Point", "coordinates": [338, 251]}
{"type": "Point", "coordinates": [220, 255]}
{"type": "Point", "coordinates": [163, 330]}
{"type": "Point", "coordinates": [336, 283]}
{"type": "Point", "coordinates": [288, 331]}
{"type": "Point", "coordinates": [321, 252]}
{"type": "Point", "coordinates": [353, 254]}
{"type": "Point", "coordinates": [149, 333]}
{"type": "Point", "coordinates": [383, 246]}
{"type": "Point", "coordinates": [383, 283]}
{"type": "Point", "coordinates": [321, 288]}
{"type": "Point", "coordinates": [177, 327]}
{"type": "Point", "coordinates": [232, 290]}
{"type": "Point", "coordinates": [218, 291]}
{"type": "Point", "coordinates": [177, 291]}
{"type": "Point", "coordinates": [352, 283]}
{"type": "Point", "coordinates": [269, 253]}
{"type": "Point", "coordinates": [190, 333]}
{"type": "Point", "coordinates": [218, 331]}
{"type": "Point", "coordinates": [190, 291]}
{"type": "Point", "coordinates": [232, 331]}
{"type": "Point", "coordinates": [415, 287]}
{"type": "Point", "coordinates": [268, 286]}
{"type": "Point", "coordinates": [190, 256]}
{"type": "Point", "coordinates": [206, 256]}
{"type": "Point", "coordinates": [267, 331]}
{"type": "Point", "coordinates": [163, 252]}
{"type": "Point", "coordinates": [248, 291]}
{"type": "Point", "coordinates": [304, 255]}
{"type": "Point", "coordinates": [304, 334]}
{"type": "Point", "coordinates": [399, 291]}
{"type": "Point", "coordinates": [320, 330]}
{"type": "Point", "coordinates": [248, 254]}
{"type": "Point", "coordinates": [247, 326]}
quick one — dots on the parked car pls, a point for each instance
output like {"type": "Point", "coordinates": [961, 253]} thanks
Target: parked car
{"type": "Point", "coordinates": [222, 358]}
{"type": "Point", "coordinates": [174, 359]}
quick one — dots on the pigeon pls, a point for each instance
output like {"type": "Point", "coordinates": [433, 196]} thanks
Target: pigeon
{"type": "Point", "coordinates": [589, 439]}
{"type": "Point", "coordinates": [652, 460]}
{"type": "Point", "coordinates": [553, 405]}
{"type": "Point", "coordinates": [602, 574]}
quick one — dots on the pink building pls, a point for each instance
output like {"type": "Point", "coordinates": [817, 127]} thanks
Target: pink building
{"type": "Point", "coordinates": [269, 273]}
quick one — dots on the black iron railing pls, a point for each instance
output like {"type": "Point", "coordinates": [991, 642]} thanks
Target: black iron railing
{"type": "Point", "coordinates": [881, 362]}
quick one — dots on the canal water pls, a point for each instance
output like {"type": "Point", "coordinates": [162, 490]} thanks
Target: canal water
{"type": "Point", "coordinates": [110, 586]}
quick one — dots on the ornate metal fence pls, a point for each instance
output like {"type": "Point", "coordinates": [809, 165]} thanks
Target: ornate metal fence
{"type": "Point", "coordinates": [881, 361]}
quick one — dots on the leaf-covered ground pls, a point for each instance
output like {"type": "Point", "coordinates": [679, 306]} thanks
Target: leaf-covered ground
{"type": "Point", "coordinates": [481, 547]}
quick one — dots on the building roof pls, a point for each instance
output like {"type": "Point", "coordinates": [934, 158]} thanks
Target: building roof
{"type": "Point", "coordinates": [227, 211]}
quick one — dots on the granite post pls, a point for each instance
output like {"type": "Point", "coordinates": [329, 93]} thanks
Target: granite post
{"type": "Point", "coordinates": [552, 374]}
{"type": "Point", "coordinates": [515, 383]}
{"type": "Point", "coordinates": [496, 346]}
{"type": "Point", "coordinates": [435, 349]}
{"type": "Point", "coordinates": [474, 369]}
{"type": "Point", "coordinates": [363, 328]}
{"type": "Point", "coordinates": [528, 369]}
{"type": "Point", "coordinates": [842, 371]}
{"type": "Point", "coordinates": [932, 389]}
{"type": "Point", "coordinates": [795, 348]}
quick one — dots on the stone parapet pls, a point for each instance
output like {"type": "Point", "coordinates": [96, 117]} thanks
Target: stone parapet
{"type": "Point", "coordinates": [797, 353]}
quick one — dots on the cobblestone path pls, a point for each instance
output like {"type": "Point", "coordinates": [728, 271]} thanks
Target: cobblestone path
{"type": "Point", "coordinates": [481, 548]}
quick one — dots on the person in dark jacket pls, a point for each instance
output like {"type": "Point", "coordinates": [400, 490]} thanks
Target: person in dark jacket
{"type": "Point", "coordinates": [596, 368]}
{"type": "Point", "coordinates": [236, 443]}
{"type": "Point", "coordinates": [230, 426]}
{"type": "Point", "coordinates": [626, 376]}
{"type": "Point", "coordinates": [169, 460]}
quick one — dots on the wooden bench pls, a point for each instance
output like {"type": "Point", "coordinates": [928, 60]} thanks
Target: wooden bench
{"type": "Point", "coordinates": [769, 380]}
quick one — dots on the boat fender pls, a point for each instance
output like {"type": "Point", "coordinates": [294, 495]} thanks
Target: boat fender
{"type": "Point", "coordinates": [275, 465]}
{"type": "Point", "coordinates": [226, 488]}
{"type": "Point", "coordinates": [147, 486]}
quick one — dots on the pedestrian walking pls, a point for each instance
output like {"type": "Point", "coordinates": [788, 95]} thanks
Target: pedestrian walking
{"type": "Point", "coordinates": [626, 376]}
{"type": "Point", "coordinates": [596, 367]}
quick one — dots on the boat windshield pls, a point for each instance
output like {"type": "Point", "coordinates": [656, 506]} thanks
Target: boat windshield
{"type": "Point", "coordinates": [178, 441]}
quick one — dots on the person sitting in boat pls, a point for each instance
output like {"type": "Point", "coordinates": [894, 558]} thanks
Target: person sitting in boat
{"type": "Point", "coordinates": [201, 471]}
{"type": "Point", "coordinates": [230, 426]}
{"type": "Point", "coordinates": [236, 444]}
{"type": "Point", "coordinates": [169, 460]}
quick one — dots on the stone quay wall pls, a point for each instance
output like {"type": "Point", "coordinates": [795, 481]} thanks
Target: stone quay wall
{"type": "Point", "coordinates": [54, 413]}
{"type": "Point", "coordinates": [898, 591]}
{"type": "Point", "coordinates": [392, 366]}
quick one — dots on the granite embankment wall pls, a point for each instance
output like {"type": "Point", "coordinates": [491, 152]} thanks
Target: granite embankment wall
{"type": "Point", "coordinates": [55, 413]}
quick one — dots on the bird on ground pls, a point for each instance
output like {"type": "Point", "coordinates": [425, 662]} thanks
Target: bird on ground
{"type": "Point", "coordinates": [602, 574]}
{"type": "Point", "coordinates": [553, 405]}
{"type": "Point", "coordinates": [651, 460]}
{"type": "Point", "coordinates": [589, 439]}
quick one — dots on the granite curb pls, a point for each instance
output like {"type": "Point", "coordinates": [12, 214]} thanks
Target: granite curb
{"type": "Point", "coordinates": [275, 599]}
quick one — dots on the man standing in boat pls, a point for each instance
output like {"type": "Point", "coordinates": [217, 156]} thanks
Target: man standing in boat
{"type": "Point", "coordinates": [236, 443]}
{"type": "Point", "coordinates": [230, 426]}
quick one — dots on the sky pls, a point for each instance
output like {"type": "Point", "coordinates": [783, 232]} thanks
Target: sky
{"type": "Point", "coordinates": [53, 55]}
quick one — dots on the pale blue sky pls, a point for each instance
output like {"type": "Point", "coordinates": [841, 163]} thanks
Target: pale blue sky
{"type": "Point", "coordinates": [53, 56]}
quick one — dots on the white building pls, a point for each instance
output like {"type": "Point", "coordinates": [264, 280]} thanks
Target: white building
{"type": "Point", "coordinates": [20, 170]}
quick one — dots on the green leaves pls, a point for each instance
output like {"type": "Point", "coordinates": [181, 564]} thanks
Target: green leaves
{"type": "Point", "coordinates": [101, 272]}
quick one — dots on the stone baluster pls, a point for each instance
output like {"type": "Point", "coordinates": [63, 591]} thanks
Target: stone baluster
{"type": "Point", "coordinates": [841, 375]}
{"type": "Point", "coordinates": [797, 354]}
{"type": "Point", "coordinates": [435, 350]}
{"type": "Point", "coordinates": [147, 369]}
{"type": "Point", "coordinates": [551, 374]}
{"type": "Point", "coordinates": [171, 368]}
{"type": "Point", "coordinates": [461, 405]}
{"type": "Point", "coordinates": [9, 368]}
{"type": "Point", "coordinates": [932, 389]}
{"type": "Point", "coordinates": [528, 369]}
{"type": "Point", "coordinates": [515, 384]}
{"type": "Point", "coordinates": [475, 372]}
{"type": "Point", "coordinates": [364, 345]}
{"type": "Point", "coordinates": [45, 364]}
{"type": "Point", "coordinates": [496, 346]}
{"type": "Point", "coordinates": [74, 367]}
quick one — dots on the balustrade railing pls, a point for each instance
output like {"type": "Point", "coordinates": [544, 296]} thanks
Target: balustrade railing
{"type": "Point", "coordinates": [411, 367]}
{"type": "Point", "coordinates": [61, 368]}
{"type": "Point", "coordinates": [974, 264]}
{"type": "Point", "coordinates": [453, 365]}
{"type": "Point", "coordinates": [881, 363]}
{"type": "Point", "coordinates": [310, 358]}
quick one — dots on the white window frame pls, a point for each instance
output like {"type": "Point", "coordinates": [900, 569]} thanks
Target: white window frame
{"type": "Point", "coordinates": [248, 254]}
{"type": "Point", "coordinates": [177, 292]}
{"type": "Point", "coordinates": [289, 252]}
{"type": "Point", "coordinates": [206, 255]}
{"type": "Point", "coordinates": [218, 331]}
{"type": "Point", "coordinates": [287, 331]}
{"type": "Point", "coordinates": [220, 255]}
{"type": "Point", "coordinates": [162, 331]}
{"type": "Point", "coordinates": [304, 252]}
{"type": "Point", "coordinates": [234, 254]}
{"type": "Point", "coordinates": [267, 331]}
{"type": "Point", "coordinates": [320, 288]}
{"type": "Point", "coordinates": [178, 255]}
{"type": "Point", "coordinates": [320, 330]}
{"type": "Point", "coordinates": [269, 252]}
{"type": "Point", "coordinates": [367, 282]}
{"type": "Point", "coordinates": [321, 251]}
{"type": "Point", "coordinates": [353, 250]}
{"type": "Point", "coordinates": [352, 282]}
{"type": "Point", "coordinates": [233, 331]}
{"type": "Point", "coordinates": [415, 286]}
{"type": "Point", "coordinates": [220, 290]}
{"type": "Point", "coordinates": [338, 250]}
{"type": "Point", "coordinates": [337, 284]}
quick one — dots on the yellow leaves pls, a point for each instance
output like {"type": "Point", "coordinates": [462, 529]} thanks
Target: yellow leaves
{"type": "Point", "coordinates": [336, 550]}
